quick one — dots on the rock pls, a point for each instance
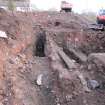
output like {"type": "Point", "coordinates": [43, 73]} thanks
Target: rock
{"type": "Point", "coordinates": [93, 84]}
{"type": "Point", "coordinates": [69, 97]}
{"type": "Point", "coordinates": [10, 61]}
{"type": "Point", "coordinates": [83, 81]}
{"type": "Point", "coordinates": [1, 103]}
{"type": "Point", "coordinates": [89, 67]}
{"type": "Point", "coordinates": [14, 60]}
{"type": "Point", "coordinates": [39, 79]}
{"type": "Point", "coordinates": [97, 58]}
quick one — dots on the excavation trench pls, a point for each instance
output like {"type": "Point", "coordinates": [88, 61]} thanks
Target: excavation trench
{"type": "Point", "coordinates": [42, 67]}
{"type": "Point", "coordinates": [52, 88]}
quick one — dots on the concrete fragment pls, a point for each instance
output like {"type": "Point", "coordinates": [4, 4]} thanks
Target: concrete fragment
{"type": "Point", "coordinates": [93, 84]}
{"type": "Point", "coordinates": [39, 79]}
{"type": "Point", "coordinates": [3, 34]}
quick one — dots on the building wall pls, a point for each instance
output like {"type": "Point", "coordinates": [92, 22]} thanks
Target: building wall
{"type": "Point", "coordinates": [20, 6]}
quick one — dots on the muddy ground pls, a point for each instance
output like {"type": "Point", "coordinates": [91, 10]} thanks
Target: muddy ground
{"type": "Point", "coordinates": [36, 67]}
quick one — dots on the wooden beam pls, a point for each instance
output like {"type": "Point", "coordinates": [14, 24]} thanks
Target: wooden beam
{"type": "Point", "coordinates": [78, 54]}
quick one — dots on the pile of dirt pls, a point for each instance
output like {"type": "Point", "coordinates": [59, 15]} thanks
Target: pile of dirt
{"type": "Point", "coordinates": [20, 34]}
{"type": "Point", "coordinates": [94, 42]}
{"type": "Point", "coordinates": [69, 20]}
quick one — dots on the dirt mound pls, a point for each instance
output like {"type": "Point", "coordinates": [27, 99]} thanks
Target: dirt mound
{"type": "Point", "coordinates": [19, 33]}
{"type": "Point", "coordinates": [94, 42]}
{"type": "Point", "coordinates": [69, 20]}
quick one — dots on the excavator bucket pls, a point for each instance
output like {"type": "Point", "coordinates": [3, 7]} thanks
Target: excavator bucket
{"type": "Point", "coordinates": [96, 27]}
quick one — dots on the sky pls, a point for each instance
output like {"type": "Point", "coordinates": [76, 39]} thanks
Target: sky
{"type": "Point", "coordinates": [78, 5]}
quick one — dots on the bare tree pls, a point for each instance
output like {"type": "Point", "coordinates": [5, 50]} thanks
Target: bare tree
{"type": "Point", "coordinates": [11, 5]}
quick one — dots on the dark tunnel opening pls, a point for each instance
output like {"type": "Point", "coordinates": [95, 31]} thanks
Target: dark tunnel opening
{"type": "Point", "coordinates": [40, 44]}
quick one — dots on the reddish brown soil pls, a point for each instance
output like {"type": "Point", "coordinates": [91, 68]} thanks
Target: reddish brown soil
{"type": "Point", "coordinates": [19, 69]}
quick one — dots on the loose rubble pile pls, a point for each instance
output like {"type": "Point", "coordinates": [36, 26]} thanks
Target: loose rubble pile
{"type": "Point", "coordinates": [69, 69]}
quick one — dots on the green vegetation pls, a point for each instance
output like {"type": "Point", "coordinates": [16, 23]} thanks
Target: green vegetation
{"type": "Point", "coordinates": [11, 5]}
{"type": "Point", "coordinates": [34, 7]}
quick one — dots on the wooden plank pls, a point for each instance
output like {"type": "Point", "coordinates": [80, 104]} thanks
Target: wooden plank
{"type": "Point", "coordinates": [70, 64]}
{"type": "Point", "coordinates": [81, 56]}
